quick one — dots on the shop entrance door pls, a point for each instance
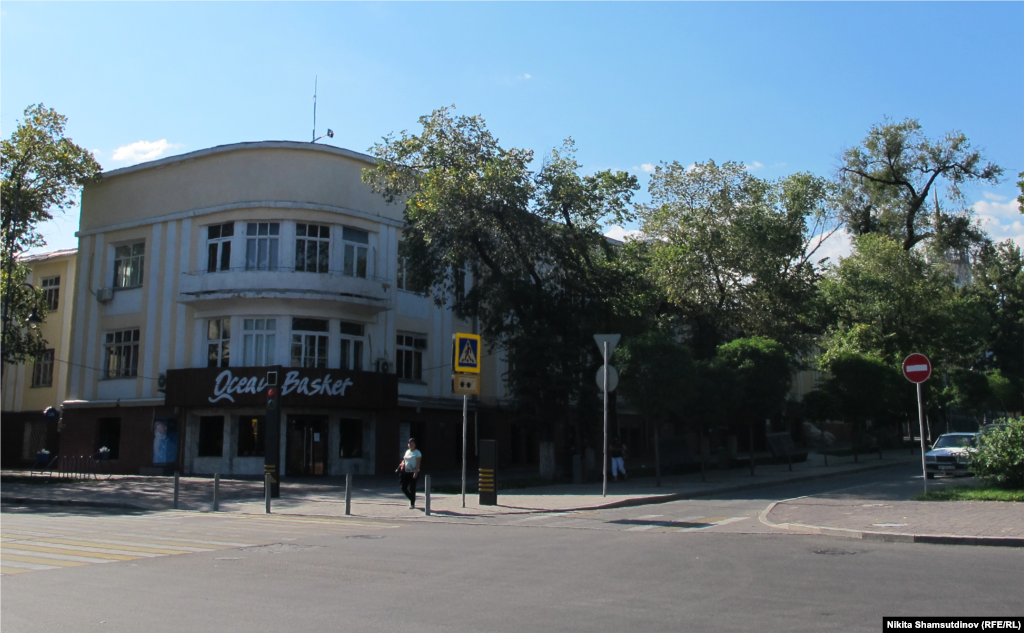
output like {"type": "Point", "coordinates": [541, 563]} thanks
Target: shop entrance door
{"type": "Point", "coordinates": [307, 445]}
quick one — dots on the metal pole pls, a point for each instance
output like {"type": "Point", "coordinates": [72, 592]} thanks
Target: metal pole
{"type": "Point", "coordinates": [348, 494]}
{"type": "Point", "coordinates": [216, 492]}
{"type": "Point", "coordinates": [465, 405]}
{"type": "Point", "coordinates": [266, 491]}
{"type": "Point", "coordinates": [920, 421]}
{"type": "Point", "coordinates": [176, 488]}
{"type": "Point", "coordinates": [426, 493]}
{"type": "Point", "coordinates": [604, 467]}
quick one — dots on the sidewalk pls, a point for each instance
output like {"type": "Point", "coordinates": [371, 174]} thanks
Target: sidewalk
{"type": "Point", "coordinates": [380, 497]}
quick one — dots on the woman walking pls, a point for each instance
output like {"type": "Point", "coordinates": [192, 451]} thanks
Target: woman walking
{"type": "Point", "coordinates": [617, 453]}
{"type": "Point", "coordinates": [410, 470]}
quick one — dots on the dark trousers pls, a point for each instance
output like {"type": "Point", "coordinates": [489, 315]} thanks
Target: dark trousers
{"type": "Point", "coordinates": [409, 486]}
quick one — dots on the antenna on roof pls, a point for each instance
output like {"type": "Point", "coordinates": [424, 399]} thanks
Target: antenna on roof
{"type": "Point", "coordinates": [330, 132]}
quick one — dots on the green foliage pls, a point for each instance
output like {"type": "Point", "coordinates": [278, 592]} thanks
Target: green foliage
{"type": "Point", "coordinates": [968, 391]}
{"type": "Point", "coordinates": [544, 277]}
{"type": "Point", "coordinates": [887, 179]}
{"type": "Point", "coordinates": [42, 170]}
{"type": "Point", "coordinates": [1000, 454]}
{"type": "Point", "coordinates": [763, 371]}
{"type": "Point", "coordinates": [733, 253]}
{"type": "Point", "coordinates": [887, 302]}
{"type": "Point", "coordinates": [971, 493]}
{"type": "Point", "coordinates": [998, 285]}
{"type": "Point", "coordinates": [656, 375]}
{"type": "Point", "coordinates": [1007, 394]}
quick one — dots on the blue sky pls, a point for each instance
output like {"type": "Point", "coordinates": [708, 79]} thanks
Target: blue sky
{"type": "Point", "coordinates": [782, 87]}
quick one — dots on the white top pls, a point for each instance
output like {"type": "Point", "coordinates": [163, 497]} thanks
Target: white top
{"type": "Point", "coordinates": [412, 460]}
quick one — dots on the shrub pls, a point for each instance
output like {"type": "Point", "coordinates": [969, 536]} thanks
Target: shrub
{"type": "Point", "coordinates": [1000, 456]}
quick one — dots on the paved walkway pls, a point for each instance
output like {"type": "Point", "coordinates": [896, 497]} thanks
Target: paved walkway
{"type": "Point", "coordinates": [379, 498]}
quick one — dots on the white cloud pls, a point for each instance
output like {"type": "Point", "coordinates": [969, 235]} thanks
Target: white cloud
{"type": "Point", "coordinates": [836, 246]}
{"type": "Point", "coordinates": [754, 165]}
{"type": "Point", "coordinates": [646, 167]}
{"type": "Point", "coordinates": [993, 196]}
{"type": "Point", "coordinates": [620, 233]}
{"type": "Point", "coordinates": [141, 151]}
{"type": "Point", "coordinates": [526, 76]}
{"type": "Point", "coordinates": [1001, 220]}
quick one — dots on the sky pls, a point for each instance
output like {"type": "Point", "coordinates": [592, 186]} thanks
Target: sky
{"type": "Point", "coordinates": [781, 87]}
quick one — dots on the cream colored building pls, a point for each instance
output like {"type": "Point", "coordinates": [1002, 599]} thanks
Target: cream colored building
{"type": "Point", "coordinates": [30, 389]}
{"type": "Point", "coordinates": [199, 274]}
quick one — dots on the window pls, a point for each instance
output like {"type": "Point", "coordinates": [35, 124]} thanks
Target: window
{"type": "Point", "coordinates": [252, 436]}
{"type": "Point", "coordinates": [312, 248]}
{"type": "Point", "coordinates": [42, 370]}
{"type": "Point", "coordinates": [405, 280]}
{"type": "Point", "coordinates": [122, 353]}
{"type": "Point", "coordinates": [218, 342]}
{"type": "Point", "coordinates": [51, 292]}
{"type": "Point", "coordinates": [309, 347]}
{"type": "Point", "coordinates": [258, 340]}
{"type": "Point", "coordinates": [108, 434]}
{"type": "Point", "coordinates": [460, 285]}
{"type": "Point", "coordinates": [218, 246]}
{"type": "Point", "coordinates": [351, 439]}
{"type": "Point", "coordinates": [261, 245]}
{"type": "Point", "coordinates": [211, 436]}
{"type": "Point", "coordinates": [352, 346]}
{"type": "Point", "coordinates": [128, 263]}
{"type": "Point", "coordinates": [356, 248]}
{"type": "Point", "coordinates": [409, 356]}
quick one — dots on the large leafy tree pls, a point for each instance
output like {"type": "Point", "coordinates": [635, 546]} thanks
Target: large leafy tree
{"type": "Point", "coordinates": [888, 179]}
{"type": "Point", "coordinates": [733, 253]}
{"type": "Point", "coordinates": [544, 277]}
{"type": "Point", "coordinates": [42, 170]}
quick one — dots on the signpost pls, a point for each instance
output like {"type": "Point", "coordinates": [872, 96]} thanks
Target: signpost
{"type": "Point", "coordinates": [606, 343]}
{"type": "Point", "coordinates": [465, 361]}
{"type": "Point", "coordinates": [272, 441]}
{"type": "Point", "coordinates": [917, 368]}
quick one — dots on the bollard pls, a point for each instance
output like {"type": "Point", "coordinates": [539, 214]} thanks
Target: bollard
{"type": "Point", "coordinates": [426, 493]}
{"type": "Point", "coordinates": [216, 492]}
{"type": "Point", "coordinates": [348, 494]}
{"type": "Point", "coordinates": [266, 490]}
{"type": "Point", "coordinates": [176, 488]}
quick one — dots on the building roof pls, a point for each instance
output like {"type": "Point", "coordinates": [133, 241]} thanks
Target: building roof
{"type": "Point", "coordinates": [235, 147]}
{"type": "Point", "coordinates": [38, 257]}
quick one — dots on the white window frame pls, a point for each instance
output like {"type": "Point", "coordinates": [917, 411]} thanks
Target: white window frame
{"type": "Point", "coordinates": [218, 342]}
{"type": "Point", "coordinates": [270, 241]}
{"type": "Point", "coordinates": [218, 247]}
{"type": "Point", "coordinates": [409, 350]}
{"type": "Point", "coordinates": [121, 353]}
{"type": "Point", "coordinates": [129, 265]}
{"type": "Point", "coordinates": [42, 369]}
{"type": "Point", "coordinates": [312, 345]}
{"type": "Point", "coordinates": [352, 344]}
{"type": "Point", "coordinates": [356, 252]}
{"type": "Point", "coordinates": [51, 292]}
{"type": "Point", "coordinates": [316, 238]}
{"type": "Point", "coordinates": [403, 281]}
{"type": "Point", "coordinates": [259, 339]}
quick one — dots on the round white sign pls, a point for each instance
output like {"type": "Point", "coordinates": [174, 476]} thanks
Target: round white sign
{"type": "Point", "coordinates": [613, 378]}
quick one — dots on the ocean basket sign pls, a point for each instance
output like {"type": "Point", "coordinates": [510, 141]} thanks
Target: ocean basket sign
{"type": "Point", "coordinates": [299, 387]}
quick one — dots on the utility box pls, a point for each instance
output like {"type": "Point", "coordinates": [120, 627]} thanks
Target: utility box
{"type": "Point", "coordinates": [488, 473]}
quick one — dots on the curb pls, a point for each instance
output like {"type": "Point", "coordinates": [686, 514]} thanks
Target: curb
{"type": "Point", "coordinates": [29, 501]}
{"type": "Point", "coordinates": [889, 537]}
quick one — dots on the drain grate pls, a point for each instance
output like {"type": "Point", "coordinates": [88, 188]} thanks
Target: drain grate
{"type": "Point", "coordinates": [279, 548]}
{"type": "Point", "coordinates": [370, 536]}
{"type": "Point", "coordinates": [832, 551]}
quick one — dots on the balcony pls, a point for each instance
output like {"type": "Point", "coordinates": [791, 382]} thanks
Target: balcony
{"type": "Point", "coordinates": [227, 288]}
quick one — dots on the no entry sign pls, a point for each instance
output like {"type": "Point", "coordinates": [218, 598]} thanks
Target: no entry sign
{"type": "Point", "coordinates": [917, 368]}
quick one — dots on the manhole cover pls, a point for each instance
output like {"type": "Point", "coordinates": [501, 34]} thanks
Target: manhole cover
{"type": "Point", "coordinates": [373, 536]}
{"type": "Point", "coordinates": [834, 552]}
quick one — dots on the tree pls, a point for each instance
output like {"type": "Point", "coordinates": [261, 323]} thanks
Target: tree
{"type": "Point", "coordinates": [887, 179]}
{"type": "Point", "coordinates": [763, 370]}
{"type": "Point", "coordinates": [864, 388]}
{"type": "Point", "coordinates": [544, 277]}
{"type": "Point", "coordinates": [42, 170]}
{"type": "Point", "coordinates": [657, 377]}
{"type": "Point", "coordinates": [998, 283]}
{"type": "Point", "coordinates": [733, 253]}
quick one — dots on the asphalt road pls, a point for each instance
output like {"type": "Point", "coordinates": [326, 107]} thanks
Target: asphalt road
{"type": "Point", "coordinates": [701, 565]}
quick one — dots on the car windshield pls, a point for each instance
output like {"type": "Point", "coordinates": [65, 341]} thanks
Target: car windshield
{"type": "Point", "coordinates": [954, 441]}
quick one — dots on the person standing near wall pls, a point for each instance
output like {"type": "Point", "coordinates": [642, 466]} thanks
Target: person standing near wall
{"type": "Point", "coordinates": [617, 453]}
{"type": "Point", "coordinates": [409, 468]}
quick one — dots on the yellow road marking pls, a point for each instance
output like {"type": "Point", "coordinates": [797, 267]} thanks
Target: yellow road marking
{"type": "Point", "coordinates": [75, 552]}
{"type": "Point", "coordinates": [41, 561]}
{"type": "Point", "coordinates": [12, 570]}
{"type": "Point", "coordinates": [120, 548]}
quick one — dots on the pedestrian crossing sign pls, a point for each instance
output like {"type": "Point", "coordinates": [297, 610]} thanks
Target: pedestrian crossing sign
{"type": "Point", "coordinates": [467, 353]}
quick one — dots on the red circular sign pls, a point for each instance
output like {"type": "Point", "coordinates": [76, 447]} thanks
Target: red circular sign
{"type": "Point", "coordinates": [917, 368]}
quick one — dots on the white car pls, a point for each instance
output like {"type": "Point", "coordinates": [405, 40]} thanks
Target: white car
{"type": "Point", "coordinates": [950, 455]}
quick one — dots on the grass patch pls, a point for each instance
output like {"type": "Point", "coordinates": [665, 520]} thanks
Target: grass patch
{"type": "Point", "coordinates": [972, 493]}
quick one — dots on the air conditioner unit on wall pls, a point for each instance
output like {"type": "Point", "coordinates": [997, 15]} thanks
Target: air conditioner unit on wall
{"type": "Point", "coordinates": [383, 366]}
{"type": "Point", "coordinates": [104, 295]}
